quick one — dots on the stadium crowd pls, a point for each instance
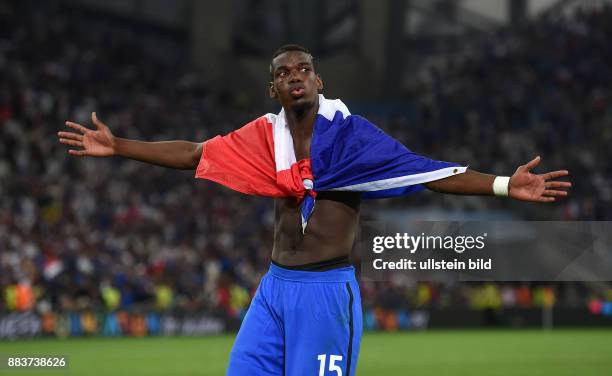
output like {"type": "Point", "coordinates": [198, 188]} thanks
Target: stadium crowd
{"type": "Point", "coordinates": [82, 233]}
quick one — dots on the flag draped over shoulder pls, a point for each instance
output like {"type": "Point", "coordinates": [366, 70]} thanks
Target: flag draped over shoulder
{"type": "Point", "coordinates": [347, 153]}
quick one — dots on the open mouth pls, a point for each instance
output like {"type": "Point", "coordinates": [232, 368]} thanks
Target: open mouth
{"type": "Point", "coordinates": [297, 92]}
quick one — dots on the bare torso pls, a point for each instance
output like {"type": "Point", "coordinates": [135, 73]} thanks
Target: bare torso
{"type": "Point", "coordinates": [330, 232]}
{"type": "Point", "coordinates": [331, 229]}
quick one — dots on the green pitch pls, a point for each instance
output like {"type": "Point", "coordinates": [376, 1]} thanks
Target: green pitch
{"type": "Point", "coordinates": [559, 352]}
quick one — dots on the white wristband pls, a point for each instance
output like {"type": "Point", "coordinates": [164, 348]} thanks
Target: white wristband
{"type": "Point", "coordinates": [501, 184]}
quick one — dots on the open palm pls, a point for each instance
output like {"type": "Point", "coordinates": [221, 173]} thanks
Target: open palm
{"type": "Point", "coordinates": [96, 143]}
{"type": "Point", "coordinates": [526, 186]}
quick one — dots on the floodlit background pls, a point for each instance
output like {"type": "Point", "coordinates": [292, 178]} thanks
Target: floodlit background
{"type": "Point", "coordinates": [110, 248]}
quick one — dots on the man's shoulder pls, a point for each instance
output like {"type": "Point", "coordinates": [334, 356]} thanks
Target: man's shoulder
{"type": "Point", "coordinates": [262, 121]}
{"type": "Point", "coordinates": [328, 108]}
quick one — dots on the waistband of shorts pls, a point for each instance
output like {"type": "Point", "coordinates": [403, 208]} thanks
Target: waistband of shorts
{"type": "Point", "coordinates": [343, 274]}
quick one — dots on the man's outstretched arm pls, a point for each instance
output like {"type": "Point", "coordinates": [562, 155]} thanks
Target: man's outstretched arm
{"type": "Point", "coordinates": [523, 185]}
{"type": "Point", "coordinates": [101, 142]}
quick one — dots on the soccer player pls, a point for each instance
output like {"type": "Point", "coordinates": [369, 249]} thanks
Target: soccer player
{"type": "Point", "coordinates": [305, 318]}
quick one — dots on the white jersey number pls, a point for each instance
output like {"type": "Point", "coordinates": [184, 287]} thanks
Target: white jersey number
{"type": "Point", "coordinates": [332, 364]}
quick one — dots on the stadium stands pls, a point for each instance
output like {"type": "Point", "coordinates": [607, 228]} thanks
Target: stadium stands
{"type": "Point", "coordinates": [114, 234]}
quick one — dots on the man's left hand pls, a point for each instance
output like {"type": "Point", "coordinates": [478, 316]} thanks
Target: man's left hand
{"type": "Point", "coordinates": [526, 186]}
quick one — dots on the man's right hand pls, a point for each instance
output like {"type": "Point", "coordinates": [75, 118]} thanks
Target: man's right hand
{"type": "Point", "coordinates": [100, 142]}
{"type": "Point", "coordinates": [94, 143]}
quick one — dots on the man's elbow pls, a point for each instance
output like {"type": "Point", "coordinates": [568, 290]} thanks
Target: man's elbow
{"type": "Point", "coordinates": [194, 157]}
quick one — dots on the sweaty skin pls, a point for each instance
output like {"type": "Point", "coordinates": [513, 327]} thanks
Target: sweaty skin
{"type": "Point", "coordinates": [332, 227]}
{"type": "Point", "coordinates": [330, 232]}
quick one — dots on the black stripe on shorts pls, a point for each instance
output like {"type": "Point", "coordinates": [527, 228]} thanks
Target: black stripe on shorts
{"type": "Point", "coordinates": [350, 343]}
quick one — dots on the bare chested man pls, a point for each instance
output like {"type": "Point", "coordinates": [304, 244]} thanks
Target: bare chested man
{"type": "Point", "coordinates": [305, 318]}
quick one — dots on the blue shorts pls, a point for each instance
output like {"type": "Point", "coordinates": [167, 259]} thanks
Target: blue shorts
{"type": "Point", "coordinates": [300, 323]}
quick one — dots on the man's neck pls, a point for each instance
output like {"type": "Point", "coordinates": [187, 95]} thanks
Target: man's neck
{"type": "Point", "coordinates": [301, 121]}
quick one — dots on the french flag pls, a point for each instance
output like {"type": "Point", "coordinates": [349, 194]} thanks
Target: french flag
{"type": "Point", "coordinates": [347, 153]}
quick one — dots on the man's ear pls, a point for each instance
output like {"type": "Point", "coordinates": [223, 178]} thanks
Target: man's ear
{"type": "Point", "coordinates": [272, 91]}
{"type": "Point", "coordinates": [319, 84]}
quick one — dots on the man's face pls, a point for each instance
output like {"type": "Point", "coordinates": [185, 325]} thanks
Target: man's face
{"type": "Point", "coordinates": [295, 83]}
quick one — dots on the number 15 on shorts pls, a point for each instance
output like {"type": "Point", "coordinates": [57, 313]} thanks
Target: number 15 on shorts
{"type": "Point", "coordinates": [332, 364]}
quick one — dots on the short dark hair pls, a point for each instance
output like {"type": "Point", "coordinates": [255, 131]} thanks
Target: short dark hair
{"type": "Point", "coordinates": [287, 48]}
{"type": "Point", "coordinates": [290, 47]}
